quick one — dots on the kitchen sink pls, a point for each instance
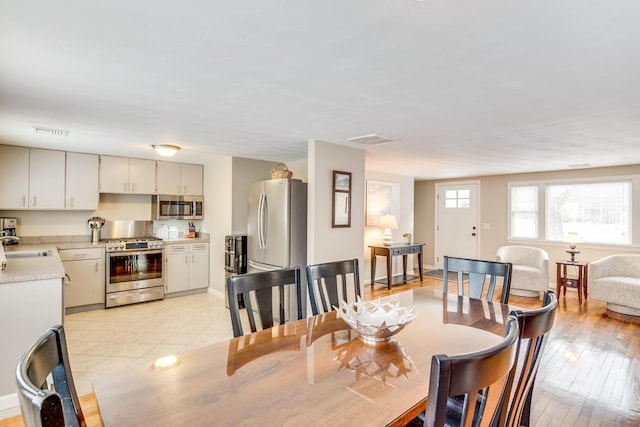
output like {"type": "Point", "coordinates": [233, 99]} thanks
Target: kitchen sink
{"type": "Point", "coordinates": [28, 254]}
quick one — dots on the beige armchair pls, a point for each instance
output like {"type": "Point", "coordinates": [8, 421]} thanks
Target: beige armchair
{"type": "Point", "coordinates": [530, 272]}
{"type": "Point", "coordinates": [615, 279]}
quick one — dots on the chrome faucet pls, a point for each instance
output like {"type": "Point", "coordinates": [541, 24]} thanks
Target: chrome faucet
{"type": "Point", "coordinates": [7, 239]}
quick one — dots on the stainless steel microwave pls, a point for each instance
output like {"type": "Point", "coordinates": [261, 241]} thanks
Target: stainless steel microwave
{"type": "Point", "coordinates": [177, 207]}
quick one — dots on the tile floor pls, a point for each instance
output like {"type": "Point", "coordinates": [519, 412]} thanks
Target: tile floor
{"type": "Point", "coordinates": [104, 341]}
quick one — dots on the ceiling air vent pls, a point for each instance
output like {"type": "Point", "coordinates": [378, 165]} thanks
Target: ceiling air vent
{"type": "Point", "coordinates": [50, 131]}
{"type": "Point", "coordinates": [372, 139]}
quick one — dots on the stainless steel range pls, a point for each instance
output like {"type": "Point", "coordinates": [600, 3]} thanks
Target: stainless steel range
{"type": "Point", "coordinates": [134, 262]}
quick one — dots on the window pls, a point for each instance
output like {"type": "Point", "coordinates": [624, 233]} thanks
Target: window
{"type": "Point", "coordinates": [524, 212]}
{"type": "Point", "coordinates": [600, 212]}
{"type": "Point", "coordinates": [456, 199]}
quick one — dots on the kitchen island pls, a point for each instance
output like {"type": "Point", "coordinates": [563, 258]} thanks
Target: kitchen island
{"type": "Point", "coordinates": [31, 301]}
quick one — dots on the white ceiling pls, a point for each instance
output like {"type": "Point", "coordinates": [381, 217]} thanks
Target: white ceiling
{"type": "Point", "coordinates": [464, 87]}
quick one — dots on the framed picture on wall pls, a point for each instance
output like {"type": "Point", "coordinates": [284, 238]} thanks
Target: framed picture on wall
{"type": "Point", "coordinates": [382, 198]}
{"type": "Point", "coordinates": [341, 203]}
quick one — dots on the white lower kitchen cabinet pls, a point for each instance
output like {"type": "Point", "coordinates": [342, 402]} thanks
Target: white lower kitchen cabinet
{"type": "Point", "coordinates": [187, 267]}
{"type": "Point", "coordinates": [199, 266]}
{"type": "Point", "coordinates": [85, 279]}
{"type": "Point", "coordinates": [177, 271]}
{"type": "Point", "coordinates": [27, 310]}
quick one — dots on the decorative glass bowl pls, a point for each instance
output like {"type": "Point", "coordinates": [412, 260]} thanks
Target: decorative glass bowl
{"type": "Point", "coordinates": [375, 321]}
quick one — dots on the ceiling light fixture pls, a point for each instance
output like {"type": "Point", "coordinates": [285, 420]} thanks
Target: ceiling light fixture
{"type": "Point", "coordinates": [166, 150]}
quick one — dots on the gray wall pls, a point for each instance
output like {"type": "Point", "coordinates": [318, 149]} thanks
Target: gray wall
{"type": "Point", "coordinates": [493, 210]}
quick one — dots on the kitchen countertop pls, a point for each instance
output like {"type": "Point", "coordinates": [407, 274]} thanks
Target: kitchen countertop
{"type": "Point", "coordinates": [35, 268]}
{"type": "Point", "coordinates": [50, 267]}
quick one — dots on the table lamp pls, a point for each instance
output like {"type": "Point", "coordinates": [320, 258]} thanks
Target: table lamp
{"type": "Point", "coordinates": [387, 222]}
{"type": "Point", "coordinates": [572, 238]}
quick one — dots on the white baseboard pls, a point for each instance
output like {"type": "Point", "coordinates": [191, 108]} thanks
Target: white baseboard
{"type": "Point", "coordinates": [9, 401]}
{"type": "Point", "coordinates": [215, 292]}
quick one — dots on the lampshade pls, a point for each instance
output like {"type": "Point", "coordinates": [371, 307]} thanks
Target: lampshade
{"type": "Point", "coordinates": [572, 238]}
{"type": "Point", "coordinates": [166, 150]}
{"type": "Point", "coordinates": [387, 222]}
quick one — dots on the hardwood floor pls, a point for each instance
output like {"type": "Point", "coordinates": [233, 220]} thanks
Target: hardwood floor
{"type": "Point", "coordinates": [590, 371]}
{"type": "Point", "coordinates": [589, 374]}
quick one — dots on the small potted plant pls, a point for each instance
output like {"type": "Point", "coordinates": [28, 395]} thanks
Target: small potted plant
{"type": "Point", "coordinates": [407, 238]}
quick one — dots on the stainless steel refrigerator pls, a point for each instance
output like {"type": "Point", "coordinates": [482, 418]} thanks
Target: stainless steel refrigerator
{"type": "Point", "coordinates": [277, 228]}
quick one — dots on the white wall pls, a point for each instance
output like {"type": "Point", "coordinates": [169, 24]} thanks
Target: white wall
{"type": "Point", "coordinates": [218, 217]}
{"type": "Point", "coordinates": [325, 243]}
{"type": "Point", "coordinates": [373, 234]}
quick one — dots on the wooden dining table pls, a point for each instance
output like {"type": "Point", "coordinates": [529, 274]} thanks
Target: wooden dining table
{"type": "Point", "coordinates": [315, 371]}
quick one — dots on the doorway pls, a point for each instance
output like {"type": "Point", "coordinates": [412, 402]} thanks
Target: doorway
{"type": "Point", "coordinates": [457, 219]}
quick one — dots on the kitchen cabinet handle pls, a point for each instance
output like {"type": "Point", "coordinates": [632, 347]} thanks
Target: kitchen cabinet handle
{"type": "Point", "coordinates": [185, 190]}
{"type": "Point", "coordinates": [178, 188]}
{"type": "Point", "coordinates": [126, 186]}
{"type": "Point", "coordinates": [133, 187]}
{"type": "Point", "coordinates": [70, 202]}
{"type": "Point", "coordinates": [34, 201]}
{"type": "Point", "coordinates": [67, 280]}
{"type": "Point", "coordinates": [23, 201]}
{"type": "Point", "coordinates": [97, 266]}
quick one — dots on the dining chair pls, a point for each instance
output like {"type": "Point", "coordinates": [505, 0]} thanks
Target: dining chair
{"type": "Point", "coordinates": [331, 282]}
{"type": "Point", "coordinates": [469, 389]}
{"type": "Point", "coordinates": [40, 406]}
{"type": "Point", "coordinates": [257, 290]}
{"type": "Point", "coordinates": [478, 272]}
{"type": "Point", "coordinates": [535, 326]}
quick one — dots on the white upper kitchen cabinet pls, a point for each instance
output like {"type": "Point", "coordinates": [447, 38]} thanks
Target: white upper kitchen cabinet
{"type": "Point", "coordinates": [14, 174]}
{"type": "Point", "coordinates": [124, 175]}
{"type": "Point", "coordinates": [82, 181]}
{"type": "Point", "coordinates": [179, 178]}
{"type": "Point", "coordinates": [46, 179]}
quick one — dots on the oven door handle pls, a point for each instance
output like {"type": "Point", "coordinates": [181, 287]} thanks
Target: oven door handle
{"type": "Point", "coordinates": [139, 252]}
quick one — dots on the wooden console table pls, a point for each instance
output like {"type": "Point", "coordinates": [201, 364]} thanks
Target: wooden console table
{"type": "Point", "coordinates": [390, 252]}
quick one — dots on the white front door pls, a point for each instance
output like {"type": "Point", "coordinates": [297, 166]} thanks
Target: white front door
{"type": "Point", "coordinates": [457, 220]}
